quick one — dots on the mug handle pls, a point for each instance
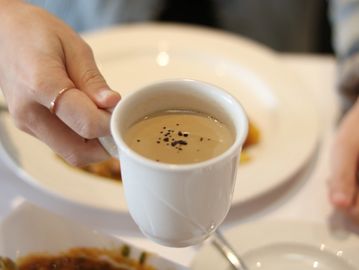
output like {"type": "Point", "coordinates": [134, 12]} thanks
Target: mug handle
{"type": "Point", "coordinates": [108, 143]}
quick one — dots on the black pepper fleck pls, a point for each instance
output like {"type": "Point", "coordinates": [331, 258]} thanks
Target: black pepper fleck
{"type": "Point", "coordinates": [125, 251]}
{"type": "Point", "coordinates": [143, 258]}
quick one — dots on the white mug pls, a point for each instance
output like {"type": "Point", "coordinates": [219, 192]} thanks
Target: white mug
{"type": "Point", "coordinates": [177, 205]}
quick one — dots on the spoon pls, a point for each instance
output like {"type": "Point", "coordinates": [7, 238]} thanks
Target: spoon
{"type": "Point", "coordinates": [222, 245]}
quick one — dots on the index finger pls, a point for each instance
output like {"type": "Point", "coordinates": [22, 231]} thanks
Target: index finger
{"type": "Point", "coordinates": [74, 107]}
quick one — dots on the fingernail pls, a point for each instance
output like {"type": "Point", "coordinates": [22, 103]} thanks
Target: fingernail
{"type": "Point", "coordinates": [105, 94]}
{"type": "Point", "coordinates": [340, 199]}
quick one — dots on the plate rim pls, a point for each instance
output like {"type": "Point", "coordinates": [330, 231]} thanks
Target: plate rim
{"type": "Point", "coordinates": [184, 28]}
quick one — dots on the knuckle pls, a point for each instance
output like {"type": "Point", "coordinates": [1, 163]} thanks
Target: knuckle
{"type": "Point", "coordinates": [86, 49]}
{"type": "Point", "coordinates": [87, 129]}
{"type": "Point", "coordinates": [21, 117]}
{"type": "Point", "coordinates": [92, 75]}
{"type": "Point", "coordinates": [41, 77]}
{"type": "Point", "coordinates": [34, 77]}
{"type": "Point", "coordinates": [36, 84]}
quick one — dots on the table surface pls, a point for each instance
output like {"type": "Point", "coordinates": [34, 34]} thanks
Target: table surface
{"type": "Point", "coordinates": [303, 197]}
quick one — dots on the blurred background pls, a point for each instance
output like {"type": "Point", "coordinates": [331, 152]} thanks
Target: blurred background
{"type": "Point", "coordinates": [284, 25]}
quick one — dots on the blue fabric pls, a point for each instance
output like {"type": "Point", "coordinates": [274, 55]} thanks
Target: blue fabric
{"type": "Point", "coordinates": [345, 20]}
{"type": "Point", "coordinates": [288, 25]}
{"type": "Point", "coordinates": [86, 15]}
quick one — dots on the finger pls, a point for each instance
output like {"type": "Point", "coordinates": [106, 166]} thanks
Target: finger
{"type": "Point", "coordinates": [82, 115]}
{"type": "Point", "coordinates": [353, 211]}
{"type": "Point", "coordinates": [343, 183]}
{"type": "Point", "coordinates": [74, 107]}
{"type": "Point", "coordinates": [83, 71]}
{"type": "Point", "coordinates": [64, 141]}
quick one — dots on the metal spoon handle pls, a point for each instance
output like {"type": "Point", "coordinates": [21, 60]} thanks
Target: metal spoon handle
{"type": "Point", "coordinates": [219, 241]}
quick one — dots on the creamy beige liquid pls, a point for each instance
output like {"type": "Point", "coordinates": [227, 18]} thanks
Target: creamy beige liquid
{"type": "Point", "coordinates": [179, 137]}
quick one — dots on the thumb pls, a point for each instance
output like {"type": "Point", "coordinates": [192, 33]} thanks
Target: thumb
{"type": "Point", "coordinates": [83, 71]}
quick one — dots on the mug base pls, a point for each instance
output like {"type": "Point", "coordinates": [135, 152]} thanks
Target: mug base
{"type": "Point", "coordinates": [177, 243]}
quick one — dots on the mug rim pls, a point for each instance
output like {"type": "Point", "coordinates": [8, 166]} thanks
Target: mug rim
{"type": "Point", "coordinates": [231, 151]}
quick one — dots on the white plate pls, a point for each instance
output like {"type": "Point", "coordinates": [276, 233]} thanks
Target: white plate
{"type": "Point", "coordinates": [133, 56]}
{"type": "Point", "coordinates": [29, 229]}
{"type": "Point", "coordinates": [282, 245]}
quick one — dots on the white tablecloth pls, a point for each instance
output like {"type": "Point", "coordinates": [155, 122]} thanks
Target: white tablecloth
{"type": "Point", "coordinates": [302, 197]}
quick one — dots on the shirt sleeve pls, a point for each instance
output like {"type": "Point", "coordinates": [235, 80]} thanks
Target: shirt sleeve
{"type": "Point", "coordinates": [344, 15]}
{"type": "Point", "coordinates": [85, 15]}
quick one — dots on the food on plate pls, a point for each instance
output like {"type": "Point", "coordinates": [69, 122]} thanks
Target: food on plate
{"type": "Point", "coordinates": [80, 259]}
{"type": "Point", "coordinates": [7, 264]}
{"type": "Point", "coordinates": [253, 138]}
{"type": "Point", "coordinates": [109, 168]}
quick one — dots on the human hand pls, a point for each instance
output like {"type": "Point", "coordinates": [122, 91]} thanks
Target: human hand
{"type": "Point", "coordinates": [343, 182]}
{"type": "Point", "coordinates": [40, 55]}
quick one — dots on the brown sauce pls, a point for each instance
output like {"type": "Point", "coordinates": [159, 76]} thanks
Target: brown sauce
{"type": "Point", "coordinates": [110, 168]}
